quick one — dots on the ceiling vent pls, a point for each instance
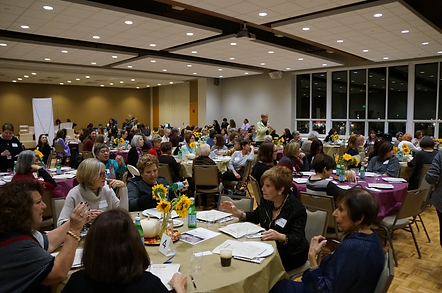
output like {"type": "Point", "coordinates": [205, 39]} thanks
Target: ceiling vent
{"type": "Point", "coordinates": [244, 33]}
{"type": "Point", "coordinates": [275, 74]}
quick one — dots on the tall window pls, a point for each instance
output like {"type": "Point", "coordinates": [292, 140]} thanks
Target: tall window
{"type": "Point", "coordinates": [377, 93]}
{"type": "Point", "coordinates": [339, 95]}
{"type": "Point", "coordinates": [357, 94]}
{"type": "Point", "coordinates": [425, 91]}
{"type": "Point", "coordinates": [303, 96]}
{"type": "Point", "coordinates": [397, 92]}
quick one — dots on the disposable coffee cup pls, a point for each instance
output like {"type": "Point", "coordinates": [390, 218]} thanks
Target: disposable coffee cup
{"type": "Point", "coordinates": [226, 257]}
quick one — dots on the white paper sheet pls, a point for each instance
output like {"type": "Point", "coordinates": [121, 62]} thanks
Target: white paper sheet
{"type": "Point", "coordinates": [245, 227]}
{"type": "Point", "coordinates": [241, 249]}
{"type": "Point", "coordinates": [300, 180]}
{"type": "Point", "coordinates": [393, 180]}
{"type": "Point", "coordinates": [202, 216]}
{"type": "Point", "coordinates": [77, 259]}
{"type": "Point", "coordinates": [197, 235]}
{"type": "Point", "coordinates": [165, 272]}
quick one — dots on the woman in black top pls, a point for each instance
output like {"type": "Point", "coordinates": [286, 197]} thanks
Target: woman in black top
{"type": "Point", "coordinates": [167, 158]}
{"type": "Point", "coordinates": [216, 126]}
{"type": "Point", "coordinates": [43, 147]}
{"type": "Point", "coordinates": [287, 135]}
{"type": "Point", "coordinates": [266, 157]}
{"type": "Point", "coordinates": [330, 133]}
{"type": "Point", "coordinates": [420, 158]}
{"type": "Point", "coordinates": [281, 214]}
{"type": "Point", "coordinates": [10, 147]}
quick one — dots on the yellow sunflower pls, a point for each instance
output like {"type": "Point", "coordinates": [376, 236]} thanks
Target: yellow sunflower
{"type": "Point", "coordinates": [405, 149]}
{"type": "Point", "coordinates": [396, 150]}
{"type": "Point", "coordinates": [163, 206]}
{"type": "Point", "coordinates": [337, 159]}
{"type": "Point", "coordinates": [347, 157]}
{"type": "Point", "coordinates": [357, 161]}
{"type": "Point", "coordinates": [192, 145]}
{"type": "Point", "coordinates": [159, 191]}
{"type": "Point", "coordinates": [40, 155]}
{"type": "Point", "coordinates": [282, 139]}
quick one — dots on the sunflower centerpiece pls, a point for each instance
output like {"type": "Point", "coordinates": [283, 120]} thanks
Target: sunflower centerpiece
{"type": "Point", "coordinates": [347, 160]}
{"type": "Point", "coordinates": [439, 143]}
{"type": "Point", "coordinates": [334, 137]}
{"type": "Point", "coordinates": [180, 204]}
{"type": "Point", "coordinates": [40, 156]}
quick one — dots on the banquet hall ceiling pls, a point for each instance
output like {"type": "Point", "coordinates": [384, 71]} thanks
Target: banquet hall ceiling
{"type": "Point", "coordinates": [163, 41]}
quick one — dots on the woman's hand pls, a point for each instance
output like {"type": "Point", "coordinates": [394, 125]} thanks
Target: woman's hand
{"type": "Point", "coordinates": [185, 185]}
{"type": "Point", "coordinates": [5, 153]}
{"type": "Point", "coordinates": [316, 244]}
{"type": "Point", "coordinates": [35, 167]}
{"type": "Point", "coordinates": [237, 175]}
{"type": "Point", "coordinates": [94, 214]}
{"type": "Point", "coordinates": [178, 282]}
{"type": "Point", "coordinates": [80, 216]}
{"type": "Point", "coordinates": [273, 235]}
{"type": "Point", "coordinates": [115, 183]}
{"type": "Point", "coordinates": [231, 208]}
{"type": "Point", "coordinates": [119, 160]}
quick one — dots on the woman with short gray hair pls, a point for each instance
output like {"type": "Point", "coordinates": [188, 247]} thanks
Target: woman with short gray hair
{"type": "Point", "coordinates": [93, 190]}
{"type": "Point", "coordinates": [136, 150]}
{"type": "Point", "coordinates": [312, 136]}
{"type": "Point", "coordinates": [28, 162]}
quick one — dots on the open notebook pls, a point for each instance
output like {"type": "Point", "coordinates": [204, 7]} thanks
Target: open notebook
{"type": "Point", "coordinates": [238, 230]}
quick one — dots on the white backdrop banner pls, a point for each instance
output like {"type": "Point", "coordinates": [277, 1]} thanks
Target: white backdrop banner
{"type": "Point", "coordinates": [43, 118]}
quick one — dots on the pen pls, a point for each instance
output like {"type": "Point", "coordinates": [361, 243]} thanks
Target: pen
{"type": "Point", "coordinates": [193, 282]}
{"type": "Point", "coordinates": [169, 258]}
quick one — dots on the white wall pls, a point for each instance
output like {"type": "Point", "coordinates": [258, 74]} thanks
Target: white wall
{"type": "Point", "coordinates": [202, 109]}
{"type": "Point", "coordinates": [174, 104]}
{"type": "Point", "coordinates": [250, 96]}
{"type": "Point", "coordinates": [213, 102]}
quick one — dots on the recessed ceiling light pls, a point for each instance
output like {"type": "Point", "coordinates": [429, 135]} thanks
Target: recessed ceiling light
{"type": "Point", "coordinates": [47, 7]}
{"type": "Point", "coordinates": [262, 63]}
{"type": "Point", "coordinates": [69, 81]}
{"type": "Point", "coordinates": [102, 85]}
{"type": "Point", "coordinates": [220, 76]}
{"type": "Point", "coordinates": [64, 51]}
{"type": "Point", "coordinates": [159, 84]}
{"type": "Point", "coordinates": [288, 68]}
{"type": "Point", "coordinates": [194, 73]}
{"type": "Point", "coordinates": [324, 64]}
{"type": "Point", "coordinates": [93, 63]}
{"type": "Point", "coordinates": [365, 51]}
{"type": "Point", "coordinates": [171, 82]}
{"type": "Point", "coordinates": [377, 15]}
{"type": "Point", "coordinates": [153, 45]}
{"type": "Point", "coordinates": [33, 73]}
{"type": "Point", "coordinates": [19, 78]}
{"type": "Point", "coordinates": [262, 14]}
{"type": "Point", "coordinates": [48, 59]}
{"type": "Point", "coordinates": [138, 87]}
{"type": "Point", "coordinates": [26, 76]}
{"type": "Point", "coordinates": [25, 26]}
{"type": "Point", "coordinates": [385, 58]}
{"type": "Point", "coordinates": [153, 61]}
{"type": "Point", "coordinates": [405, 31]}
{"type": "Point", "coordinates": [129, 66]}
{"type": "Point", "coordinates": [128, 22]}
{"type": "Point", "coordinates": [3, 45]}
{"type": "Point", "coordinates": [133, 79]}
{"type": "Point", "coordinates": [340, 41]}
{"type": "Point", "coordinates": [220, 69]}
{"type": "Point", "coordinates": [164, 69]}
{"type": "Point", "coordinates": [189, 34]}
{"type": "Point", "coordinates": [111, 83]}
{"type": "Point", "coordinates": [121, 81]}
{"type": "Point", "coordinates": [14, 80]}
{"type": "Point", "coordinates": [147, 85]}
{"type": "Point", "coordinates": [115, 57]}
{"type": "Point", "coordinates": [233, 44]}
{"type": "Point", "coordinates": [87, 76]}
{"type": "Point", "coordinates": [246, 73]}
{"type": "Point", "coordinates": [305, 28]}
{"type": "Point", "coordinates": [61, 83]}
{"type": "Point", "coordinates": [77, 79]}
{"type": "Point", "coordinates": [271, 52]}
{"type": "Point", "coordinates": [300, 59]}
{"type": "Point", "coordinates": [439, 52]}
{"type": "Point", "coordinates": [96, 37]}
{"type": "Point", "coordinates": [231, 58]}
{"type": "Point", "coordinates": [425, 43]}
{"type": "Point", "coordinates": [194, 52]}
{"type": "Point", "coordinates": [189, 65]}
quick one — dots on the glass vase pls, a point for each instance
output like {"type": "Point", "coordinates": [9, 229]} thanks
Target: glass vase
{"type": "Point", "coordinates": [166, 225]}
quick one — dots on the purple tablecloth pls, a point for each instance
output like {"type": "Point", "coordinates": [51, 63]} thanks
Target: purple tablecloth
{"type": "Point", "coordinates": [122, 153]}
{"type": "Point", "coordinates": [63, 187]}
{"type": "Point", "coordinates": [389, 199]}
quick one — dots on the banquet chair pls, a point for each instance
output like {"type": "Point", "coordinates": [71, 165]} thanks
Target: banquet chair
{"type": "Point", "coordinates": [244, 179]}
{"type": "Point", "coordinates": [87, 155]}
{"type": "Point", "coordinates": [164, 171]}
{"type": "Point", "coordinates": [124, 177]}
{"type": "Point", "coordinates": [256, 189]}
{"type": "Point", "coordinates": [207, 176]}
{"type": "Point", "coordinates": [387, 274]}
{"type": "Point", "coordinates": [57, 206]}
{"type": "Point", "coordinates": [59, 149]}
{"type": "Point", "coordinates": [325, 203]}
{"type": "Point", "coordinates": [424, 185]}
{"type": "Point", "coordinates": [410, 208]}
{"type": "Point", "coordinates": [241, 202]}
{"type": "Point", "coordinates": [316, 225]}
{"type": "Point", "coordinates": [342, 149]}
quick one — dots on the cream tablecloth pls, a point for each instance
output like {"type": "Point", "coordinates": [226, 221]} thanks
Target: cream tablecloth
{"type": "Point", "coordinates": [240, 277]}
{"type": "Point", "coordinates": [186, 167]}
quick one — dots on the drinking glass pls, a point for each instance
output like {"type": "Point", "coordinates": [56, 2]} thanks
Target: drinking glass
{"type": "Point", "coordinates": [210, 217]}
{"type": "Point", "coordinates": [196, 261]}
{"type": "Point", "coordinates": [225, 255]}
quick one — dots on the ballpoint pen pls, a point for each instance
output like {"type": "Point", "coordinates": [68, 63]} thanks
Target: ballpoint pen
{"type": "Point", "coordinates": [193, 282]}
{"type": "Point", "coordinates": [169, 258]}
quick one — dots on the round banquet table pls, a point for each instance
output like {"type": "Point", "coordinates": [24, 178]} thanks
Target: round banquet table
{"type": "Point", "coordinates": [389, 199]}
{"type": "Point", "coordinates": [241, 276]}
{"type": "Point", "coordinates": [123, 153]}
{"type": "Point", "coordinates": [331, 149]}
{"type": "Point", "coordinates": [222, 163]}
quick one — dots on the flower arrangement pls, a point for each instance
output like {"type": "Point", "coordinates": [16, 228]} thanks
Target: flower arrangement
{"type": "Point", "coordinates": [439, 142]}
{"type": "Point", "coordinates": [405, 149]}
{"type": "Point", "coordinates": [347, 160]}
{"type": "Point", "coordinates": [396, 150]}
{"type": "Point", "coordinates": [229, 152]}
{"type": "Point", "coordinates": [197, 134]}
{"type": "Point", "coordinates": [118, 140]}
{"type": "Point", "coordinates": [335, 137]}
{"type": "Point", "coordinates": [180, 204]}
{"type": "Point", "coordinates": [40, 155]}
{"type": "Point", "coordinates": [192, 145]}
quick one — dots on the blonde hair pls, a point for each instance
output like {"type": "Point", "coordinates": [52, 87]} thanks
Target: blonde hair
{"type": "Point", "coordinates": [280, 176]}
{"type": "Point", "coordinates": [291, 149]}
{"type": "Point", "coordinates": [264, 115]}
{"type": "Point", "coordinates": [99, 139]}
{"type": "Point", "coordinates": [145, 161]}
{"type": "Point", "coordinates": [89, 171]}
{"type": "Point", "coordinates": [352, 142]}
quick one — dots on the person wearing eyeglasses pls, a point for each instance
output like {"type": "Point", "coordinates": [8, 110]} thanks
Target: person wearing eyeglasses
{"type": "Point", "coordinates": [91, 175]}
{"type": "Point", "coordinates": [114, 168]}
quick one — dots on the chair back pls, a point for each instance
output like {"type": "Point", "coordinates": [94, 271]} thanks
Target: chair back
{"type": "Point", "coordinates": [321, 202]}
{"type": "Point", "coordinates": [57, 206]}
{"type": "Point", "coordinates": [80, 147]}
{"type": "Point", "coordinates": [48, 163]}
{"type": "Point", "coordinates": [241, 202]}
{"type": "Point", "coordinates": [370, 149]}
{"type": "Point", "coordinates": [316, 223]}
{"type": "Point", "coordinates": [411, 205]}
{"type": "Point", "coordinates": [87, 155]}
{"type": "Point", "coordinates": [59, 148]}
{"type": "Point", "coordinates": [124, 176]}
{"type": "Point", "coordinates": [123, 195]}
{"type": "Point", "coordinates": [309, 191]}
{"type": "Point", "coordinates": [164, 171]}
{"type": "Point", "coordinates": [387, 274]}
{"type": "Point", "coordinates": [256, 189]}
{"type": "Point", "coordinates": [424, 171]}
{"type": "Point", "coordinates": [342, 149]}
{"type": "Point", "coordinates": [206, 175]}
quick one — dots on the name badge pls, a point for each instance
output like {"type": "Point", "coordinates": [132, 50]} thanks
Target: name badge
{"type": "Point", "coordinates": [236, 159]}
{"type": "Point", "coordinates": [281, 222]}
{"type": "Point", "coordinates": [14, 145]}
{"type": "Point", "coordinates": [386, 162]}
{"type": "Point", "coordinates": [102, 204]}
